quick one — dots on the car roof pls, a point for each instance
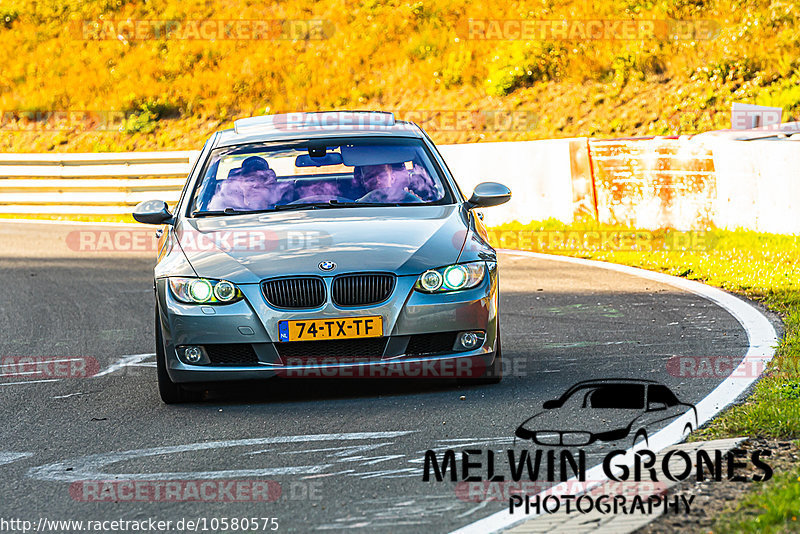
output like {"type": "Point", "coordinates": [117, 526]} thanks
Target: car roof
{"type": "Point", "coordinates": [316, 125]}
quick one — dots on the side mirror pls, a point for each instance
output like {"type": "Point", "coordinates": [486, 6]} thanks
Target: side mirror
{"type": "Point", "coordinates": [656, 406]}
{"type": "Point", "coordinates": [549, 405]}
{"type": "Point", "coordinates": [152, 212]}
{"type": "Point", "coordinates": [487, 194]}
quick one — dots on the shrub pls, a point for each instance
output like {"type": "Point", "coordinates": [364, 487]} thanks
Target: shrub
{"type": "Point", "coordinates": [728, 69]}
{"type": "Point", "coordinates": [8, 15]}
{"type": "Point", "coordinates": [524, 64]}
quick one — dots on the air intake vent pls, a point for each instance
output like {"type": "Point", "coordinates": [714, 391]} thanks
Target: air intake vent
{"type": "Point", "coordinates": [231, 354]}
{"type": "Point", "coordinates": [295, 293]}
{"type": "Point", "coordinates": [361, 289]}
{"type": "Point", "coordinates": [343, 350]}
{"type": "Point", "coordinates": [425, 344]}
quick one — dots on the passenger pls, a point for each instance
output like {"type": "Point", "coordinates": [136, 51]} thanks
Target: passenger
{"type": "Point", "coordinates": [254, 186]}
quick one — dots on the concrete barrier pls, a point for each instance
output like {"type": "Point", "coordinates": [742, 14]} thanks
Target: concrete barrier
{"type": "Point", "coordinates": [539, 174]}
{"type": "Point", "coordinates": [758, 185]}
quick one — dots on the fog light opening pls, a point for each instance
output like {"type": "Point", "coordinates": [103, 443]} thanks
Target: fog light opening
{"type": "Point", "coordinates": [193, 354]}
{"type": "Point", "coordinates": [470, 340]}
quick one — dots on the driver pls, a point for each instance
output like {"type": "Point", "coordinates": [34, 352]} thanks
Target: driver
{"type": "Point", "coordinates": [387, 183]}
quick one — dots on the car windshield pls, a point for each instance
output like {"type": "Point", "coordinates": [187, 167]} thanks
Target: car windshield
{"type": "Point", "coordinates": [318, 173]}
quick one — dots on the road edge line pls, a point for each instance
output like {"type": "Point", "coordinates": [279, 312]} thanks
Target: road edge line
{"type": "Point", "coordinates": [761, 336]}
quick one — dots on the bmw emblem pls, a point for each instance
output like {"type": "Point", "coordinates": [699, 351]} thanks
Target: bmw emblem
{"type": "Point", "coordinates": [327, 266]}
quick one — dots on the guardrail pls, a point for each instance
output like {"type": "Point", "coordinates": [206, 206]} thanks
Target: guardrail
{"type": "Point", "coordinates": [90, 184]}
{"type": "Point", "coordinates": [714, 179]}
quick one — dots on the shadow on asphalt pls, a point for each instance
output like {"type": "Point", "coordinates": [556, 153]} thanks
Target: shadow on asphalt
{"type": "Point", "coordinates": [282, 390]}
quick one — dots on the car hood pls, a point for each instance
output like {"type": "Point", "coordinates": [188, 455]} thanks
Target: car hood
{"type": "Point", "coordinates": [249, 248]}
{"type": "Point", "coordinates": [592, 420]}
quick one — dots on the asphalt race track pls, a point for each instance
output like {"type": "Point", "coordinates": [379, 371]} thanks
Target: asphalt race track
{"type": "Point", "coordinates": [345, 455]}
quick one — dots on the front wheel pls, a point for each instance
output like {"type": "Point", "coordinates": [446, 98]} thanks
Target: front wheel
{"type": "Point", "coordinates": [170, 392]}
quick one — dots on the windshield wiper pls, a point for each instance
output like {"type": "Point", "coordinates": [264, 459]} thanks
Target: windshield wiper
{"type": "Point", "coordinates": [314, 205]}
{"type": "Point", "coordinates": [331, 204]}
{"type": "Point", "coordinates": [226, 211]}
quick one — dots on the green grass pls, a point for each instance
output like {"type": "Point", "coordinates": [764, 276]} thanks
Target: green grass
{"type": "Point", "coordinates": [771, 508]}
{"type": "Point", "coordinates": [762, 267]}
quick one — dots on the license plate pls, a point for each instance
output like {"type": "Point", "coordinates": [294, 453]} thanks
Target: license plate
{"type": "Point", "coordinates": [340, 328]}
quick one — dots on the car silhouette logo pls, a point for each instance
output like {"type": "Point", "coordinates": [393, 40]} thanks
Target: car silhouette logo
{"type": "Point", "coordinates": [606, 410]}
{"type": "Point", "coordinates": [326, 266]}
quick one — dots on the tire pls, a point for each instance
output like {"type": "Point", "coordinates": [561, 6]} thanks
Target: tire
{"type": "Point", "coordinates": [170, 392]}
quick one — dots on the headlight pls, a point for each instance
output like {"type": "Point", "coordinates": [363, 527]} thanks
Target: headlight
{"type": "Point", "coordinates": [451, 278]}
{"type": "Point", "coordinates": [204, 291]}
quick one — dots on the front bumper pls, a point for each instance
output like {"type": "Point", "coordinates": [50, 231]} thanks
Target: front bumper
{"type": "Point", "coordinates": [407, 314]}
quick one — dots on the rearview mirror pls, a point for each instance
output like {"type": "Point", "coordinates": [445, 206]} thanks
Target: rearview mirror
{"type": "Point", "coordinates": [332, 158]}
{"type": "Point", "coordinates": [549, 405]}
{"type": "Point", "coordinates": [487, 194]}
{"type": "Point", "coordinates": [152, 212]}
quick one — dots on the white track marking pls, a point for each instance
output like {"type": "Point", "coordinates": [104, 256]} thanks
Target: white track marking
{"type": "Point", "coordinates": [29, 382]}
{"type": "Point", "coordinates": [23, 373]}
{"type": "Point", "coordinates": [129, 360]}
{"type": "Point", "coordinates": [762, 338]}
{"type": "Point", "coordinates": [124, 361]}
{"type": "Point", "coordinates": [91, 467]}
{"type": "Point", "coordinates": [8, 457]}
{"type": "Point", "coordinates": [67, 396]}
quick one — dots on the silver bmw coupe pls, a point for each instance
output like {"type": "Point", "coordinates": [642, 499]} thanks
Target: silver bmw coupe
{"type": "Point", "coordinates": [323, 245]}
